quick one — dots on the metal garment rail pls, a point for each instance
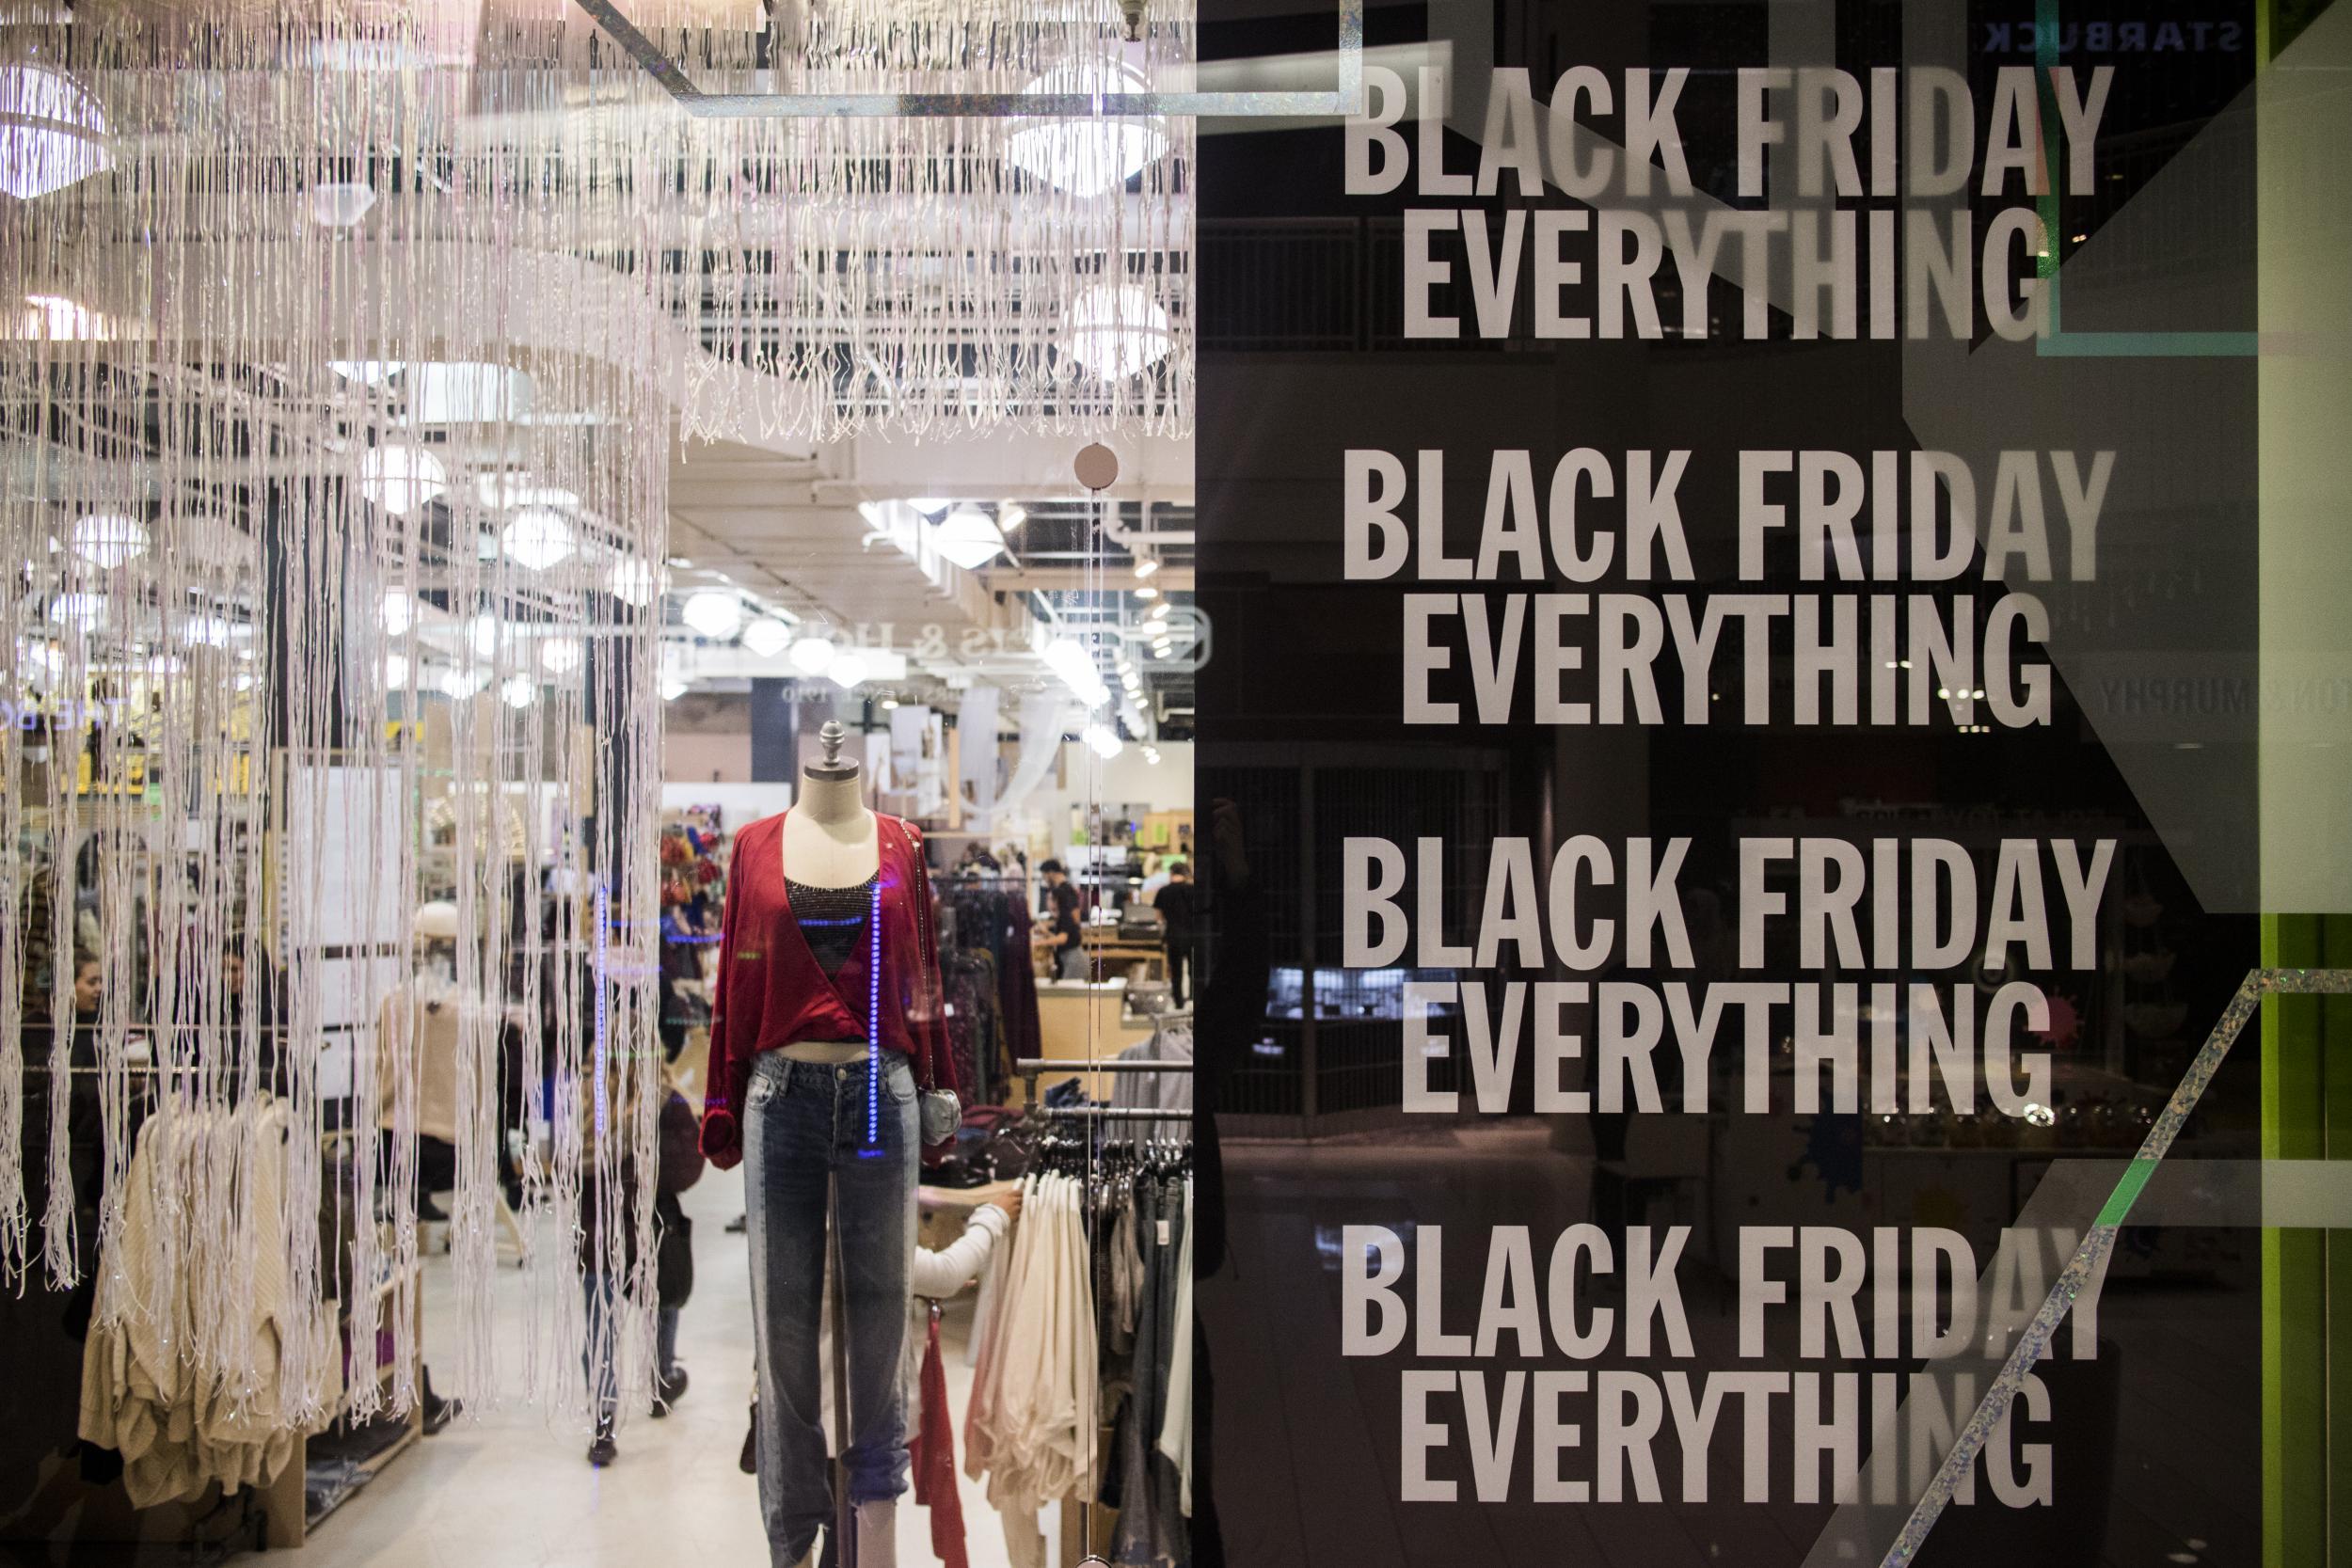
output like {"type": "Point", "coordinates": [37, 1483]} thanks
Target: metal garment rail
{"type": "Point", "coordinates": [1028, 1068]}
{"type": "Point", "coordinates": [1108, 1112]}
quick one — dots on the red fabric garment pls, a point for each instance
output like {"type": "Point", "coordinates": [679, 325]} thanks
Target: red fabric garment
{"type": "Point", "coordinates": [934, 1454]}
{"type": "Point", "coordinates": [770, 991]}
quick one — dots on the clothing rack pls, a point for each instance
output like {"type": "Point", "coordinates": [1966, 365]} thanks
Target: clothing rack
{"type": "Point", "coordinates": [1030, 1067]}
{"type": "Point", "coordinates": [1108, 1112]}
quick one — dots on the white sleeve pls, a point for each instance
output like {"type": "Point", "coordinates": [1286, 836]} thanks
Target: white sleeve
{"type": "Point", "coordinates": [941, 1273]}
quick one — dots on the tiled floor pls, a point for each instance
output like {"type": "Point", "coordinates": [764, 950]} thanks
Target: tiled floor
{"type": "Point", "coordinates": [504, 1489]}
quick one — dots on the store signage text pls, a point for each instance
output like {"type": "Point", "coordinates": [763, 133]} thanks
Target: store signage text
{"type": "Point", "coordinates": [1873, 656]}
{"type": "Point", "coordinates": [1910, 142]}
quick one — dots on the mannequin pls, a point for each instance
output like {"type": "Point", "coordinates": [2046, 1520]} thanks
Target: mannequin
{"type": "Point", "coordinates": [825, 1028]}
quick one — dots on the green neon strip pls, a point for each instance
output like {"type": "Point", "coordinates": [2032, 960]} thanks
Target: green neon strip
{"type": "Point", "coordinates": [2149, 345]}
{"type": "Point", "coordinates": [2126, 1191]}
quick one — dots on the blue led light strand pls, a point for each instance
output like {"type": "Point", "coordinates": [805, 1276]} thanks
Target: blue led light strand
{"type": "Point", "coordinates": [873, 1022]}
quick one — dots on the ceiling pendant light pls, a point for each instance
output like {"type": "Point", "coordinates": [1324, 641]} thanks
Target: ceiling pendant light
{"type": "Point", "coordinates": [714, 612]}
{"type": "Point", "coordinates": [518, 692]}
{"type": "Point", "coordinates": [633, 582]}
{"type": "Point", "coordinates": [538, 538]}
{"type": "Point", "coordinates": [559, 655]}
{"type": "Point", "coordinates": [458, 685]}
{"type": "Point", "coordinates": [813, 655]}
{"type": "Point", "coordinates": [401, 478]}
{"type": "Point", "coordinates": [1116, 330]}
{"type": "Point", "coordinates": [848, 669]}
{"type": "Point", "coordinates": [1088, 157]}
{"type": "Point", "coordinates": [78, 610]}
{"type": "Point", "coordinates": [969, 537]}
{"type": "Point", "coordinates": [1146, 565]}
{"type": "Point", "coordinates": [1103, 742]}
{"type": "Point", "coordinates": [52, 132]}
{"type": "Point", "coordinates": [767, 637]}
{"type": "Point", "coordinates": [674, 687]}
{"type": "Point", "coordinates": [340, 203]}
{"type": "Point", "coordinates": [107, 539]}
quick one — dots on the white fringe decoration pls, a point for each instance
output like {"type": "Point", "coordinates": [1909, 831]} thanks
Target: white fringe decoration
{"type": "Point", "coordinates": [344, 348]}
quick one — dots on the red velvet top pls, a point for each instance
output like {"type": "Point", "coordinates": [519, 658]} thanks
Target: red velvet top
{"type": "Point", "coordinates": [770, 991]}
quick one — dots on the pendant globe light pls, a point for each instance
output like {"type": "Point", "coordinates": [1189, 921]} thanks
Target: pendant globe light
{"type": "Point", "coordinates": [1116, 330]}
{"type": "Point", "coordinates": [108, 539]}
{"type": "Point", "coordinates": [969, 537]}
{"type": "Point", "coordinates": [1088, 157]}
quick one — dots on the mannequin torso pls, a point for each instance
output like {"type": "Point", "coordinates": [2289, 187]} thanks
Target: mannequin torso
{"type": "Point", "coordinates": [830, 839]}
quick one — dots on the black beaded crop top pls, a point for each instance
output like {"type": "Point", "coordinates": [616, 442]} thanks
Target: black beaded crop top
{"type": "Point", "coordinates": [831, 919]}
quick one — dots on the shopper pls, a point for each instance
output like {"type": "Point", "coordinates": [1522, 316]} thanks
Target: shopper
{"type": "Point", "coordinates": [603, 1291]}
{"type": "Point", "coordinates": [1175, 903]}
{"type": "Point", "coordinates": [673, 1236]}
{"type": "Point", "coordinates": [267, 1001]}
{"type": "Point", "coordinates": [1062, 920]}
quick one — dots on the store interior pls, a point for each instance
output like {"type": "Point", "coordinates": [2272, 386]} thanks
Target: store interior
{"type": "Point", "coordinates": [455, 493]}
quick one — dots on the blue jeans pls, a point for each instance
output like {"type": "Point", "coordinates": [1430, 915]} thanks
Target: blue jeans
{"type": "Point", "coordinates": [599, 1294]}
{"type": "Point", "coordinates": [804, 1125]}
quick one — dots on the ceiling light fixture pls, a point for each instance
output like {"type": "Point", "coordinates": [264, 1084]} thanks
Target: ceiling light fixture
{"type": "Point", "coordinates": [518, 692]}
{"type": "Point", "coordinates": [107, 539]}
{"type": "Point", "coordinates": [849, 667]}
{"type": "Point", "coordinates": [969, 537]}
{"type": "Point", "coordinates": [400, 611]}
{"type": "Point", "coordinates": [1093, 156]}
{"type": "Point", "coordinates": [401, 478]}
{"type": "Point", "coordinates": [813, 655]}
{"type": "Point", "coordinates": [714, 613]}
{"type": "Point", "coordinates": [1145, 591]}
{"type": "Point", "coordinates": [633, 582]}
{"type": "Point", "coordinates": [1116, 330]}
{"type": "Point", "coordinates": [1010, 515]}
{"type": "Point", "coordinates": [538, 538]}
{"type": "Point", "coordinates": [77, 610]}
{"type": "Point", "coordinates": [559, 655]}
{"type": "Point", "coordinates": [674, 687]}
{"type": "Point", "coordinates": [1146, 565]}
{"type": "Point", "coordinates": [1074, 661]}
{"type": "Point", "coordinates": [1102, 740]}
{"type": "Point", "coordinates": [340, 203]}
{"type": "Point", "coordinates": [767, 637]}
